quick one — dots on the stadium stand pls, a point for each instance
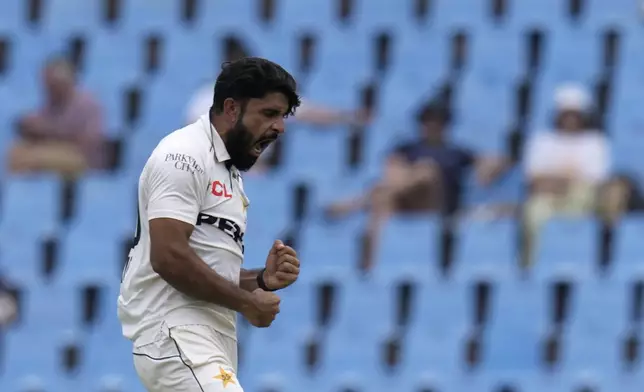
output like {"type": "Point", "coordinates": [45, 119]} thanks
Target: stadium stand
{"type": "Point", "coordinates": [446, 308]}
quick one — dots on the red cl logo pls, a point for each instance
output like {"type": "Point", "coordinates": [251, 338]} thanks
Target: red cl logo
{"type": "Point", "coordinates": [219, 189]}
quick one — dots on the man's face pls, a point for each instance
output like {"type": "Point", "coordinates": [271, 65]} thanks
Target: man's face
{"type": "Point", "coordinates": [260, 123]}
{"type": "Point", "coordinates": [432, 130]}
{"type": "Point", "coordinates": [59, 82]}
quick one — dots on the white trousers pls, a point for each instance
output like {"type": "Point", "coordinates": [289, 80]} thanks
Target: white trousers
{"type": "Point", "coordinates": [189, 358]}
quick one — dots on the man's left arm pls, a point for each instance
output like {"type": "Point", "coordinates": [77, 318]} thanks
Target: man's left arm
{"type": "Point", "coordinates": [248, 279]}
{"type": "Point", "coordinates": [282, 270]}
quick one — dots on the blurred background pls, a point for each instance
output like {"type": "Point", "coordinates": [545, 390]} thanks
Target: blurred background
{"type": "Point", "coordinates": [463, 183]}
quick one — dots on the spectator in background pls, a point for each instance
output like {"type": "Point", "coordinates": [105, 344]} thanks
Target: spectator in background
{"type": "Point", "coordinates": [65, 136]}
{"type": "Point", "coordinates": [8, 307]}
{"type": "Point", "coordinates": [565, 167]}
{"type": "Point", "coordinates": [427, 174]}
{"type": "Point", "coordinates": [620, 195]}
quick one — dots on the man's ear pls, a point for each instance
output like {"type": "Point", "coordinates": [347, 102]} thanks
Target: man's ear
{"type": "Point", "coordinates": [231, 110]}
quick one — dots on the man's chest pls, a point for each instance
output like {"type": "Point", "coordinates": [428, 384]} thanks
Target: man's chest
{"type": "Point", "coordinates": [225, 204]}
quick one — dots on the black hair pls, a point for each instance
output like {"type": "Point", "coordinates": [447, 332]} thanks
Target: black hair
{"type": "Point", "coordinates": [253, 77]}
{"type": "Point", "coordinates": [434, 111]}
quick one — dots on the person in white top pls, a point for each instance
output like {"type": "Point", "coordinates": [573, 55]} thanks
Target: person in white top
{"type": "Point", "coordinates": [183, 283]}
{"type": "Point", "coordinates": [565, 167]}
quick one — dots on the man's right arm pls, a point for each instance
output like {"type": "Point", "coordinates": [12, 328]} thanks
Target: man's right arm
{"type": "Point", "coordinates": [175, 261]}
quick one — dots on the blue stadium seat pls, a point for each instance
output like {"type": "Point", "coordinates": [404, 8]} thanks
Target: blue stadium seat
{"type": "Point", "coordinates": [536, 13]}
{"type": "Point", "coordinates": [87, 259]}
{"type": "Point", "coordinates": [352, 353]}
{"type": "Point", "coordinates": [567, 248]}
{"type": "Point", "coordinates": [30, 206]}
{"type": "Point", "coordinates": [63, 17]}
{"type": "Point", "coordinates": [34, 360]}
{"type": "Point", "coordinates": [614, 13]}
{"type": "Point", "coordinates": [483, 116]}
{"type": "Point", "coordinates": [259, 364]}
{"type": "Point", "coordinates": [450, 14]}
{"type": "Point", "coordinates": [441, 320]}
{"type": "Point", "coordinates": [509, 189]}
{"type": "Point", "coordinates": [595, 338]}
{"type": "Point", "coordinates": [409, 245]}
{"type": "Point", "coordinates": [381, 15]}
{"type": "Point", "coordinates": [52, 309]}
{"type": "Point", "coordinates": [518, 323]}
{"type": "Point", "coordinates": [627, 253]}
{"type": "Point", "coordinates": [21, 260]}
{"type": "Point", "coordinates": [296, 16]}
{"type": "Point", "coordinates": [13, 15]}
{"type": "Point", "coordinates": [102, 207]}
{"type": "Point", "coordinates": [330, 151]}
{"type": "Point", "coordinates": [142, 17]}
{"type": "Point", "coordinates": [486, 249]}
{"type": "Point", "coordinates": [331, 250]}
{"type": "Point", "coordinates": [497, 57]}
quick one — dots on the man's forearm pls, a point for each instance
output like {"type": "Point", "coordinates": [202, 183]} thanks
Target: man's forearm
{"type": "Point", "coordinates": [186, 272]}
{"type": "Point", "coordinates": [248, 279]}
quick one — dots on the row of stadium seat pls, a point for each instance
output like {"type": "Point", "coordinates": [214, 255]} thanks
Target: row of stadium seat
{"type": "Point", "coordinates": [353, 344]}
{"type": "Point", "coordinates": [142, 15]}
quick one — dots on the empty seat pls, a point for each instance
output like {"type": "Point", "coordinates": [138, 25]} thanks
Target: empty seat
{"type": "Point", "coordinates": [599, 324]}
{"type": "Point", "coordinates": [352, 353]}
{"type": "Point", "coordinates": [487, 249]}
{"type": "Point", "coordinates": [52, 309]}
{"type": "Point", "coordinates": [567, 247]}
{"type": "Point", "coordinates": [438, 330]}
{"type": "Point", "coordinates": [331, 250]}
{"type": "Point", "coordinates": [35, 359]}
{"type": "Point", "coordinates": [519, 323]}
{"type": "Point", "coordinates": [63, 17]}
{"type": "Point", "coordinates": [85, 258]}
{"type": "Point", "coordinates": [296, 16]}
{"type": "Point", "coordinates": [142, 17]}
{"type": "Point", "coordinates": [409, 245]}
{"type": "Point", "coordinates": [30, 206]}
{"type": "Point", "coordinates": [627, 260]}
{"type": "Point", "coordinates": [102, 206]}
{"type": "Point", "coordinates": [309, 148]}
{"type": "Point", "coordinates": [541, 13]}
{"type": "Point", "coordinates": [21, 260]}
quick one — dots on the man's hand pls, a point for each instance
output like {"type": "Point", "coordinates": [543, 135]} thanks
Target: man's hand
{"type": "Point", "coordinates": [264, 307]}
{"type": "Point", "coordinates": [282, 266]}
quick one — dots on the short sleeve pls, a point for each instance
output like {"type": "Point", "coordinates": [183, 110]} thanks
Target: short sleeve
{"type": "Point", "coordinates": [597, 159]}
{"type": "Point", "coordinates": [176, 185]}
{"type": "Point", "coordinates": [537, 156]}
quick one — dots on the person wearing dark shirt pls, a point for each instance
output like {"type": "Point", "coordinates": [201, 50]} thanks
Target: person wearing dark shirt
{"type": "Point", "coordinates": [419, 176]}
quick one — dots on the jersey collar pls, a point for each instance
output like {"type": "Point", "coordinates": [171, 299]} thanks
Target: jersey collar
{"type": "Point", "coordinates": [221, 153]}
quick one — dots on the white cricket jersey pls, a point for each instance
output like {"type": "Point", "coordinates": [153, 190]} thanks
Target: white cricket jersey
{"type": "Point", "coordinates": [185, 179]}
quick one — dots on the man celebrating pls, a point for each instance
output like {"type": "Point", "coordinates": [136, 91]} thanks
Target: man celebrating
{"type": "Point", "coordinates": [183, 283]}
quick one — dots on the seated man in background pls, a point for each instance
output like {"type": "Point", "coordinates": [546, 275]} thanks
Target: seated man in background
{"type": "Point", "coordinates": [427, 174]}
{"type": "Point", "coordinates": [565, 167]}
{"type": "Point", "coordinates": [65, 136]}
{"type": "Point", "coordinates": [8, 306]}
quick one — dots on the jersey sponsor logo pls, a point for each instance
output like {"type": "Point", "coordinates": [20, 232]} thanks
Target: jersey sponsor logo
{"type": "Point", "coordinates": [229, 227]}
{"type": "Point", "coordinates": [184, 162]}
{"type": "Point", "coordinates": [219, 189]}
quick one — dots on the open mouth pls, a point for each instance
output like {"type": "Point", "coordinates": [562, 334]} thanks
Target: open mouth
{"type": "Point", "coordinates": [263, 144]}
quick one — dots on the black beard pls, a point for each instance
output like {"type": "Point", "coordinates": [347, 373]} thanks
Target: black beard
{"type": "Point", "coordinates": [239, 142]}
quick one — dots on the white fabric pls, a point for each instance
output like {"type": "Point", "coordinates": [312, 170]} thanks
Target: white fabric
{"type": "Point", "coordinates": [200, 103]}
{"type": "Point", "coordinates": [185, 180]}
{"type": "Point", "coordinates": [193, 358]}
{"type": "Point", "coordinates": [586, 154]}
